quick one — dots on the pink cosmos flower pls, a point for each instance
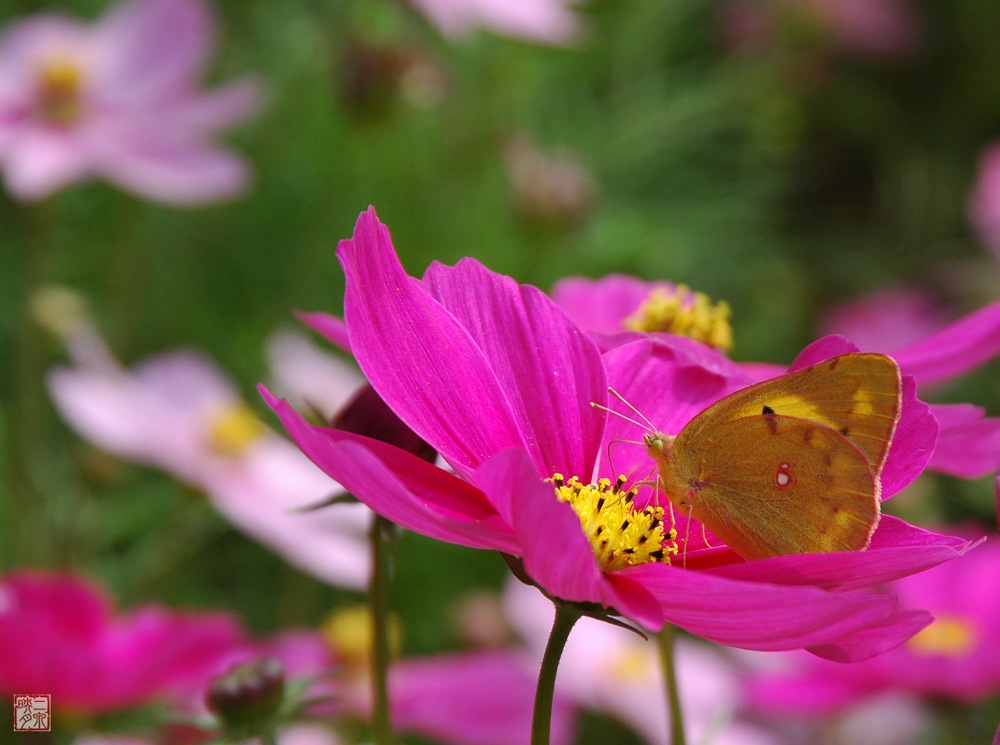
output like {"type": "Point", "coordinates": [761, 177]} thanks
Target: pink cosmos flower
{"type": "Point", "coordinates": [548, 21]}
{"type": "Point", "coordinates": [203, 433]}
{"type": "Point", "coordinates": [954, 658]}
{"type": "Point", "coordinates": [60, 634]}
{"type": "Point", "coordinates": [499, 381]}
{"type": "Point", "coordinates": [969, 442]}
{"type": "Point", "coordinates": [614, 671]}
{"type": "Point", "coordinates": [118, 100]}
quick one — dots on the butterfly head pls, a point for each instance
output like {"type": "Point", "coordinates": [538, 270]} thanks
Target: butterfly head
{"type": "Point", "coordinates": [659, 445]}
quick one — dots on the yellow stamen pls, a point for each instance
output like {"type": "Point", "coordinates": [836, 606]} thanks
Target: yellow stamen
{"type": "Point", "coordinates": [234, 429]}
{"type": "Point", "coordinates": [620, 534]}
{"type": "Point", "coordinates": [685, 313]}
{"type": "Point", "coordinates": [60, 81]}
{"type": "Point", "coordinates": [348, 631]}
{"type": "Point", "coordinates": [948, 636]}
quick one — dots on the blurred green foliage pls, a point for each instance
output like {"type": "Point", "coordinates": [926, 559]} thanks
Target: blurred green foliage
{"type": "Point", "coordinates": [781, 179]}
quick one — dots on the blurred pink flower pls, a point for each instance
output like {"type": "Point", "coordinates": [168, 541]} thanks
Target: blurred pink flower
{"type": "Point", "coordinates": [887, 318]}
{"type": "Point", "coordinates": [548, 21]}
{"type": "Point", "coordinates": [60, 635]}
{"type": "Point", "coordinates": [614, 671]}
{"type": "Point", "coordinates": [862, 28]}
{"type": "Point", "coordinates": [472, 698]}
{"type": "Point", "coordinates": [293, 734]}
{"type": "Point", "coordinates": [869, 28]}
{"type": "Point", "coordinates": [118, 100]}
{"type": "Point", "coordinates": [178, 412]}
{"type": "Point", "coordinates": [898, 322]}
{"type": "Point", "coordinates": [955, 658]}
{"type": "Point", "coordinates": [500, 382]}
{"type": "Point", "coordinates": [983, 205]}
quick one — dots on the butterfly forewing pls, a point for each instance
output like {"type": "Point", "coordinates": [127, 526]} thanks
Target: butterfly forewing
{"type": "Point", "coordinates": [804, 489]}
{"type": "Point", "coordinates": [857, 395]}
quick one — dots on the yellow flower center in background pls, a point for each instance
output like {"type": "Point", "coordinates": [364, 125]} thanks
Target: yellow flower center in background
{"type": "Point", "coordinates": [59, 86]}
{"type": "Point", "coordinates": [685, 313]}
{"type": "Point", "coordinates": [949, 636]}
{"type": "Point", "coordinates": [234, 429]}
{"type": "Point", "coordinates": [348, 631]}
{"type": "Point", "coordinates": [620, 535]}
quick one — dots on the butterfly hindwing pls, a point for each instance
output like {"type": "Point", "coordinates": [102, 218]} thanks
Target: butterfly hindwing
{"type": "Point", "coordinates": [805, 488]}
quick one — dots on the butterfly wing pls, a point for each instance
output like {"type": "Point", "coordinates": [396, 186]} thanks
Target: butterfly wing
{"type": "Point", "coordinates": [772, 485]}
{"type": "Point", "coordinates": [857, 395]}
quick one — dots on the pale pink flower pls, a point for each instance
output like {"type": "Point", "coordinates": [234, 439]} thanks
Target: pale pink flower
{"type": "Point", "coordinates": [869, 28]}
{"type": "Point", "coordinates": [118, 100]}
{"type": "Point", "coordinates": [178, 412]}
{"type": "Point", "coordinates": [886, 318]}
{"type": "Point", "coordinates": [548, 21]}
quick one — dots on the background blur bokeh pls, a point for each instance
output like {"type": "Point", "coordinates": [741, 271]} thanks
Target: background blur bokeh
{"type": "Point", "coordinates": [785, 156]}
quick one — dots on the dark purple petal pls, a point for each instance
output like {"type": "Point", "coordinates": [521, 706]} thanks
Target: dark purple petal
{"type": "Point", "coordinates": [547, 368]}
{"type": "Point", "coordinates": [955, 349]}
{"type": "Point", "coordinates": [398, 485]}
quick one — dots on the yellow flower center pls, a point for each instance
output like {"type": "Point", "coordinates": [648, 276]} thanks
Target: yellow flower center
{"type": "Point", "coordinates": [685, 313]}
{"type": "Point", "coordinates": [621, 536]}
{"type": "Point", "coordinates": [60, 81]}
{"type": "Point", "coordinates": [348, 631]}
{"type": "Point", "coordinates": [947, 636]}
{"type": "Point", "coordinates": [234, 429]}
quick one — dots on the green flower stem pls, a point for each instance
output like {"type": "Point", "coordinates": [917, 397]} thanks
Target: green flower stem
{"type": "Point", "coordinates": [379, 599]}
{"type": "Point", "coordinates": [665, 641]}
{"type": "Point", "coordinates": [541, 724]}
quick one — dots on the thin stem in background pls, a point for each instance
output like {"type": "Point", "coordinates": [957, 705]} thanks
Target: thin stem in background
{"type": "Point", "coordinates": [665, 640]}
{"type": "Point", "coordinates": [541, 723]}
{"type": "Point", "coordinates": [379, 598]}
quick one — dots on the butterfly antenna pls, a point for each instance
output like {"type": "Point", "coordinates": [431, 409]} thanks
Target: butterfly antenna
{"type": "Point", "coordinates": [618, 414]}
{"type": "Point", "coordinates": [634, 410]}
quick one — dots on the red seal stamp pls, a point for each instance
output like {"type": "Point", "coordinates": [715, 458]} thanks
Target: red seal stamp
{"type": "Point", "coordinates": [32, 712]}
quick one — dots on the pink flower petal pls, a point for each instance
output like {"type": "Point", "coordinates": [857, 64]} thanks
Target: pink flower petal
{"type": "Point", "coordinates": [898, 549]}
{"type": "Point", "coordinates": [969, 443]}
{"type": "Point", "coordinates": [482, 698]}
{"type": "Point", "coordinates": [842, 625]}
{"type": "Point", "coordinates": [555, 552]}
{"type": "Point", "coordinates": [912, 444]}
{"type": "Point", "coordinates": [447, 391]}
{"type": "Point", "coordinates": [956, 349]}
{"type": "Point", "coordinates": [547, 368]}
{"type": "Point", "coordinates": [179, 173]}
{"type": "Point", "coordinates": [402, 487]}
{"type": "Point", "coordinates": [148, 48]}
{"type": "Point", "coordinates": [333, 329]}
